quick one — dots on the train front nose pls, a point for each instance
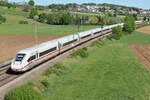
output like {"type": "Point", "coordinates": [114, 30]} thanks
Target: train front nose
{"type": "Point", "coordinates": [18, 62]}
{"type": "Point", "coordinates": [16, 66]}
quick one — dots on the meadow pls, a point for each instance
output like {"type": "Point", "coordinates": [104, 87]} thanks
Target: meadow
{"type": "Point", "coordinates": [111, 72]}
{"type": "Point", "coordinates": [29, 29]}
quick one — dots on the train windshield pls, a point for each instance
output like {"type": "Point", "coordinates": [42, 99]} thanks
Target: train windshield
{"type": "Point", "coordinates": [19, 57]}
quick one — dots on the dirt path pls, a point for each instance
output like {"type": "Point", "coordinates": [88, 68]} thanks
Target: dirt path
{"type": "Point", "coordinates": [145, 29]}
{"type": "Point", "coordinates": [142, 51]}
{"type": "Point", "coordinates": [11, 44]}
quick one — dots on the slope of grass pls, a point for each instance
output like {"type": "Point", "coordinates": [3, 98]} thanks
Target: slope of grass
{"type": "Point", "coordinates": [111, 72]}
{"type": "Point", "coordinates": [136, 37]}
{"type": "Point", "coordinates": [14, 19]}
{"type": "Point", "coordinates": [42, 29]}
{"type": "Point", "coordinates": [13, 11]}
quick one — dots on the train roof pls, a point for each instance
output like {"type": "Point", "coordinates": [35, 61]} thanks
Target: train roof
{"type": "Point", "coordinates": [54, 42]}
{"type": "Point", "coordinates": [37, 47]}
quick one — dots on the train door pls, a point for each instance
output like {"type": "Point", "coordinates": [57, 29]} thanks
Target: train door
{"type": "Point", "coordinates": [37, 54]}
{"type": "Point", "coordinates": [59, 46]}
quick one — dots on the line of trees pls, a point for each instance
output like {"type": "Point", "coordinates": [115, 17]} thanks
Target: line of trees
{"type": "Point", "coordinates": [65, 18]}
{"type": "Point", "coordinates": [128, 28]}
{"type": "Point", "coordinates": [8, 5]}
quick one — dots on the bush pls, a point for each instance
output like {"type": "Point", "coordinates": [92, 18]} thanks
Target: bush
{"type": "Point", "coordinates": [117, 32]}
{"type": "Point", "coordinates": [2, 19]}
{"type": "Point", "coordinates": [33, 13]}
{"type": "Point", "coordinates": [56, 69]}
{"type": "Point", "coordinates": [45, 81]}
{"type": "Point", "coordinates": [23, 22]}
{"type": "Point", "coordinates": [25, 92]}
{"type": "Point", "coordinates": [43, 17]}
{"type": "Point", "coordinates": [59, 66]}
{"type": "Point", "coordinates": [129, 24]}
{"type": "Point", "coordinates": [59, 19]}
{"type": "Point", "coordinates": [66, 19]}
{"type": "Point", "coordinates": [109, 37]}
{"type": "Point", "coordinates": [96, 43]}
{"type": "Point", "coordinates": [93, 20]}
{"type": "Point", "coordinates": [47, 72]}
{"type": "Point", "coordinates": [81, 52]}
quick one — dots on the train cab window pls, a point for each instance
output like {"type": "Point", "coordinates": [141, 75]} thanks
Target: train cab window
{"type": "Point", "coordinates": [19, 57]}
{"type": "Point", "coordinates": [31, 58]}
{"type": "Point", "coordinates": [47, 51]}
{"type": "Point", "coordinates": [67, 43]}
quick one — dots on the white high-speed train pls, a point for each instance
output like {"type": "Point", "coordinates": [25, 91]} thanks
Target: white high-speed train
{"type": "Point", "coordinates": [30, 57]}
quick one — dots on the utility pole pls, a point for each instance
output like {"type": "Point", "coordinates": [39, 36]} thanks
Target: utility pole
{"type": "Point", "coordinates": [35, 34]}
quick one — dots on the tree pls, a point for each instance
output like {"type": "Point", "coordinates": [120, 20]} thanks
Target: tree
{"type": "Point", "coordinates": [117, 32]}
{"type": "Point", "coordinates": [2, 19]}
{"type": "Point", "coordinates": [43, 17]}
{"type": "Point", "coordinates": [66, 19]}
{"type": "Point", "coordinates": [9, 5]}
{"type": "Point", "coordinates": [135, 16]}
{"type": "Point", "coordinates": [33, 13]}
{"type": "Point", "coordinates": [129, 24]}
{"type": "Point", "coordinates": [102, 22]}
{"type": "Point", "coordinates": [31, 3]}
{"type": "Point", "coordinates": [144, 18]}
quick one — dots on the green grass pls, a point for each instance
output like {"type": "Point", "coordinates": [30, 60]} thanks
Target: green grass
{"type": "Point", "coordinates": [137, 38]}
{"type": "Point", "coordinates": [13, 11]}
{"type": "Point", "coordinates": [15, 19]}
{"type": "Point", "coordinates": [42, 29]}
{"type": "Point", "coordinates": [111, 72]}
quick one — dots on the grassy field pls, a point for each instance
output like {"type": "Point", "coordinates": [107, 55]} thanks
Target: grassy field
{"type": "Point", "coordinates": [13, 11]}
{"type": "Point", "coordinates": [42, 29]}
{"type": "Point", "coordinates": [15, 19]}
{"type": "Point", "coordinates": [111, 72]}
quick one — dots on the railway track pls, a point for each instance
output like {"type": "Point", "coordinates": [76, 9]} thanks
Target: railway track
{"type": "Point", "coordinates": [6, 75]}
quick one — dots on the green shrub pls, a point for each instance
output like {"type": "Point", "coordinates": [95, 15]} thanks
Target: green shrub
{"type": "Point", "coordinates": [2, 19]}
{"type": "Point", "coordinates": [45, 81]}
{"type": "Point", "coordinates": [56, 69]}
{"type": "Point", "coordinates": [81, 52]}
{"type": "Point", "coordinates": [25, 92]}
{"type": "Point", "coordinates": [43, 17]}
{"type": "Point", "coordinates": [96, 43]}
{"type": "Point", "coordinates": [59, 66]}
{"type": "Point", "coordinates": [48, 72]}
{"type": "Point", "coordinates": [33, 12]}
{"type": "Point", "coordinates": [129, 24]}
{"type": "Point", "coordinates": [93, 20]}
{"type": "Point", "coordinates": [117, 32]}
{"type": "Point", "coordinates": [85, 48]}
{"type": "Point", "coordinates": [23, 22]}
{"type": "Point", "coordinates": [109, 37]}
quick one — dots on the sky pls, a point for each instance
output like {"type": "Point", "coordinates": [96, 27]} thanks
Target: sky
{"type": "Point", "coordinates": [144, 4]}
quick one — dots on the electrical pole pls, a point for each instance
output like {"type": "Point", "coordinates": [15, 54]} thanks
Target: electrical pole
{"type": "Point", "coordinates": [35, 34]}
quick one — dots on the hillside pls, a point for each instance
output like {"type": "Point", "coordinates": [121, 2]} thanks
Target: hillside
{"type": "Point", "coordinates": [14, 15]}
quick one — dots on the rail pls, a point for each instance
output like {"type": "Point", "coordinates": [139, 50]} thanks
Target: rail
{"type": "Point", "coordinates": [5, 65]}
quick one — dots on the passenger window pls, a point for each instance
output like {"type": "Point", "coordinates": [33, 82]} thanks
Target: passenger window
{"type": "Point", "coordinates": [31, 58]}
